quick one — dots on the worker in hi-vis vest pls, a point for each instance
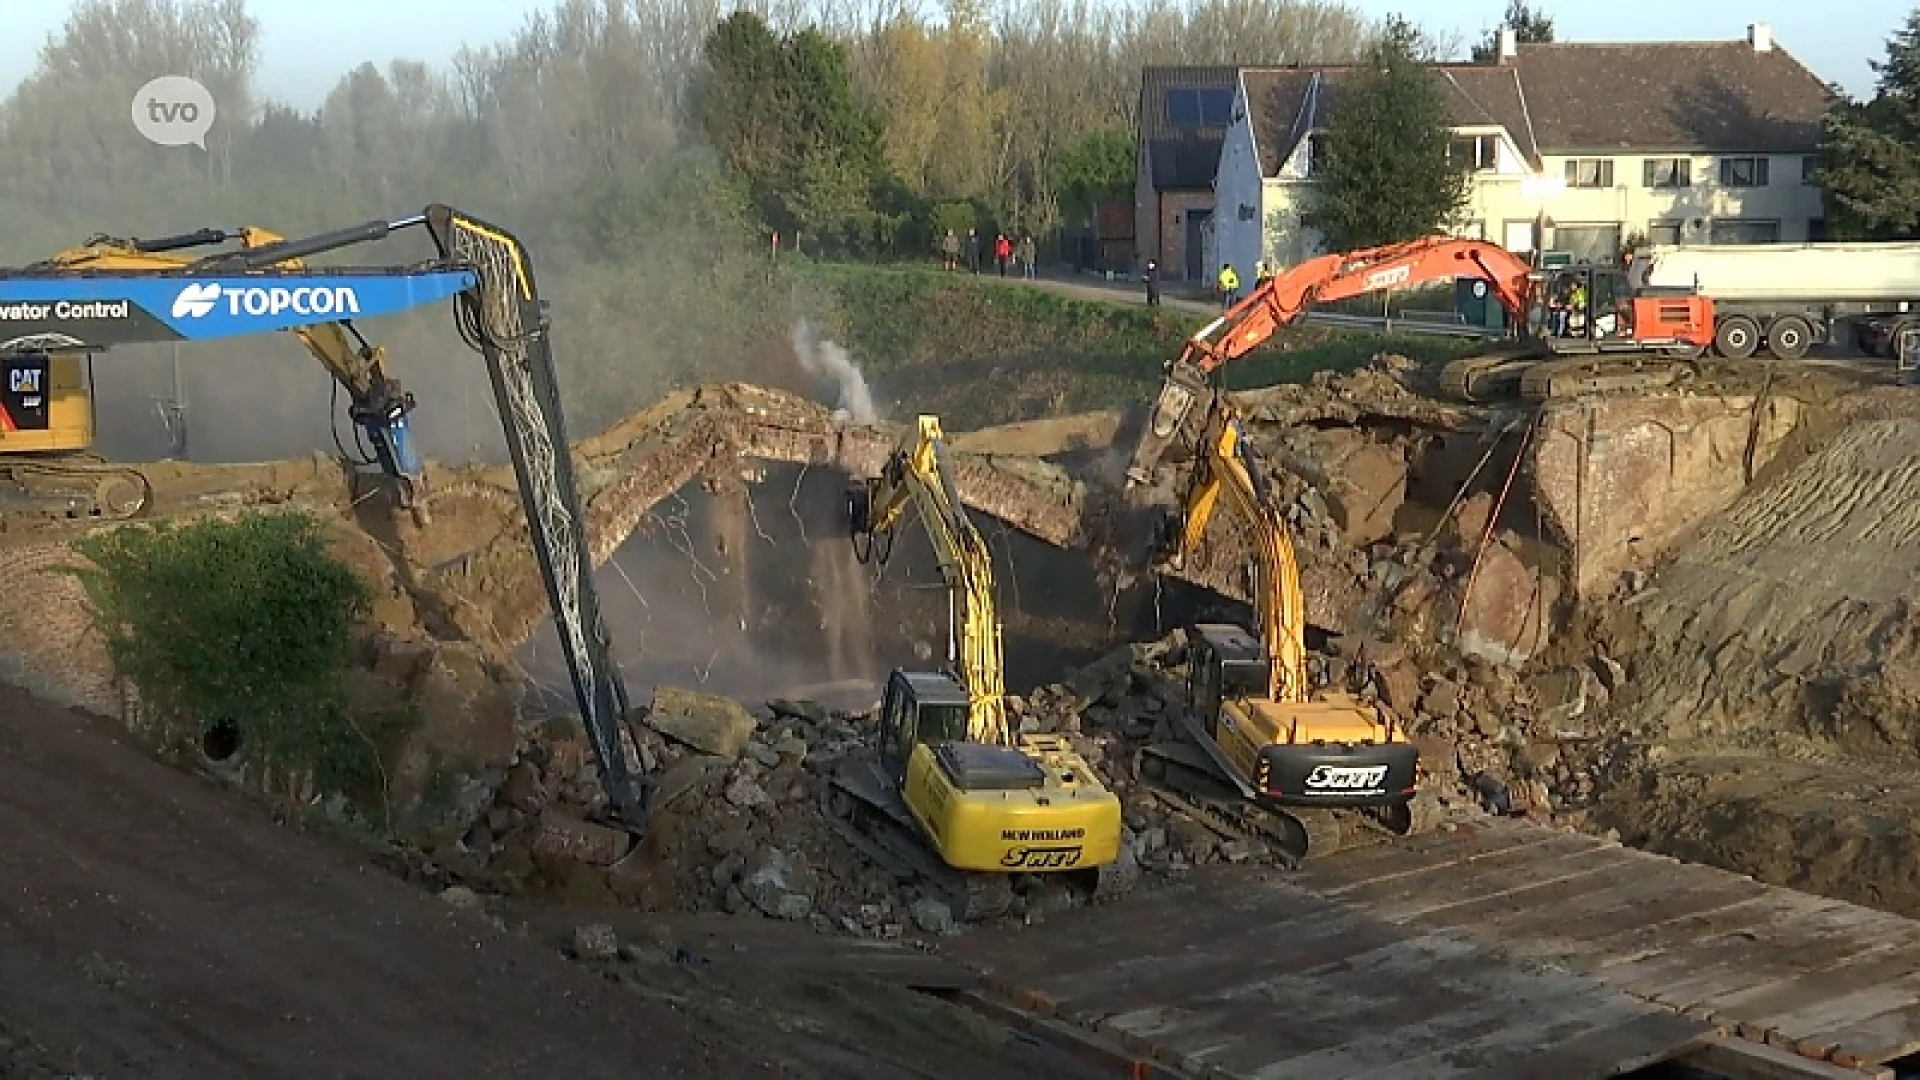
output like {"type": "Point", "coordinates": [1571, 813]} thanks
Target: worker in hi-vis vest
{"type": "Point", "coordinates": [1229, 285]}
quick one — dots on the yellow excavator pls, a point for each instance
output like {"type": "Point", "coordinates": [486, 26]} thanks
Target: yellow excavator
{"type": "Point", "coordinates": [47, 407]}
{"type": "Point", "coordinates": [955, 799]}
{"type": "Point", "coordinates": [1263, 757]}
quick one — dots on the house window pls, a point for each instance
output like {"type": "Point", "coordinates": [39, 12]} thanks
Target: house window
{"type": "Point", "coordinates": [1595, 243]}
{"type": "Point", "coordinates": [1590, 173]}
{"type": "Point", "coordinates": [1475, 153]}
{"type": "Point", "coordinates": [1663, 232]}
{"type": "Point", "coordinates": [1744, 231]}
{"type": "Point", "coordinates": [1743, 172]}
{"type": "Point", "coordinates": [1673, 172]}
{"type": "Point", "coordinates": [1191, 107]}
{"type": "Point", "coordinates": [1809, 169]}
{"type": "Point", "coordinates": [1316, 153]}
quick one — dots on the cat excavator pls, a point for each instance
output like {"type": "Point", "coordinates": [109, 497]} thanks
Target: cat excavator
{"type": "Point", "coordinates": [1577, 329]}
{"type": "Point", "coordinates": [89, 306]}
{"type": "Point", "coordinates": [1262, 755]}
{"type": "Point", "coordinates": [47, 408]}
{"type": "Point", "coordinates": [956, 800]}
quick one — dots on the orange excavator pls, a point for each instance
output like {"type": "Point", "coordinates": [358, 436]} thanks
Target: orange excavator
{"type": "Point", "coordinates": [1577, 329]}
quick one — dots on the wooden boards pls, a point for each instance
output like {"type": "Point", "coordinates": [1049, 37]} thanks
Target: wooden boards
{"type": "Point", "coordinates": [1236, 976]}
{"type": "Point", "coordinates": [1828, 980]}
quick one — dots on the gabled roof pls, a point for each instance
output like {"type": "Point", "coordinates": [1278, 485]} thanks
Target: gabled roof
{"type": "Point", "coordinates": [1713, 97]}
{"type": "Point", "coordinates": [1717, 96]}
{"type": "Point", "coordinates": [1286, 103]}
{"type": "Point", "coordinates": [1180, 157]}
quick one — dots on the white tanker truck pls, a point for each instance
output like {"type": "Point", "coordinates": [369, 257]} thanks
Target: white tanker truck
{"type": "Point", "coordinates": [1786, 298]}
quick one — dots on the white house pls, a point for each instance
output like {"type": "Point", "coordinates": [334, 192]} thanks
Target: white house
{"type": "Point", "coordinates": [1574, 147]}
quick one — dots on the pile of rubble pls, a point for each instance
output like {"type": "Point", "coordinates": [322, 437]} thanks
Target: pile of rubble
{"type": "Point", "coordinates": [738, 825]}
{"type": "Point", "coordinates": [1432, 623]}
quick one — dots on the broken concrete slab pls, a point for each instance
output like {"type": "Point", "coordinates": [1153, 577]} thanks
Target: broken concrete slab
{"type": "Point", "coordinates": [1508, 613]}
{"type": "Point", "coordinates": [705, 722]}
{"type": "Point", "coordinates": [1620, 480]}
{"type": "Point", "coordinates": [1369, 486]}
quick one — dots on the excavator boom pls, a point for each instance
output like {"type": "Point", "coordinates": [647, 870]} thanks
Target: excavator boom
{"type": "Point", "coordinates": [1279, 605]}
{"type": "Point", "coordinates": [1285, 297]}
{"type": "Point", "coordinates": [917, 476]}
{"type": "Point", "coordinates": [87, 305]}
{"type": "Point", "coordinates": [377, 404]}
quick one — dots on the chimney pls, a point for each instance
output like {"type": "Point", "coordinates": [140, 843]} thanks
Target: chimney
{"type": "Point", "coordinates": [1760, 36]}
{"type": "Point", "coordinates": [1509, 44]}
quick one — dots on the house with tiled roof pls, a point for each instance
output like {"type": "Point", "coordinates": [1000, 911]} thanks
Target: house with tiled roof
{"type": "Point", "coordinates": [1184, 115]}
{"type": "Point", "coordinates": [1575, 148]}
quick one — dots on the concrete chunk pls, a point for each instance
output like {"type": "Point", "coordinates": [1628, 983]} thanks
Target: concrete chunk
{"type": "Point", "coordinates": [705, 722]}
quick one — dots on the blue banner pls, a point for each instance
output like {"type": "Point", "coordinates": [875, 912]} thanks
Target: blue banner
{"type": "Point", "coordinates": [205, 308]}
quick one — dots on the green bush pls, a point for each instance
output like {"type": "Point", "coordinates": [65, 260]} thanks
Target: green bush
{"type": "Point", "coordinates": [241, 630]}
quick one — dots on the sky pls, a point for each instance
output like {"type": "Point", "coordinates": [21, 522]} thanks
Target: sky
{"type": "Point", "coordinates": [307, 46]}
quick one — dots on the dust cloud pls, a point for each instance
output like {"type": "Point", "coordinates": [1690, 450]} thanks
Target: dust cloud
{"type": "Point", "coordinates": [825, 359]}
{"type": "Point", "coordinates": [750, 590]}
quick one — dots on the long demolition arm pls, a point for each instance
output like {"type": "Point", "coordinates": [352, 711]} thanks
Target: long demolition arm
{"type": "Point", "coordinates": [1288, 295]}
{"type": "Point", "coordinates": [916, 474]}
{"type": "Point", "coordinates": [1225, 469]}
{"type": "Point", "coordinates": [498, 312]}
{"type": "Point", "coordinates": [377, 404]}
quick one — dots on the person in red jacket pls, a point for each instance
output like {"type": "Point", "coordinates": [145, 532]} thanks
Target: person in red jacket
{"type": "Point", "coordinates": [1002, 253]}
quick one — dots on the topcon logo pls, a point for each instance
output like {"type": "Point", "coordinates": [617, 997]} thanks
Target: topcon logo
{"type": "Point", "coordinates": [200, 298]}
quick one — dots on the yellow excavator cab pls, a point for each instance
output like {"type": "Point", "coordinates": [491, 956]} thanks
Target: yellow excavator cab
{"type": "Point", "coordinates": [991, 808]}
{"type": "Point", "coordinates": [46, 404]}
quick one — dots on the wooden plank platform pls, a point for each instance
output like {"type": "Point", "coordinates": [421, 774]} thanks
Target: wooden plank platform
{"type": "Point", "coordinates": [1830, 981]}
{"type": "Point", "coordinates": [1236, 974]}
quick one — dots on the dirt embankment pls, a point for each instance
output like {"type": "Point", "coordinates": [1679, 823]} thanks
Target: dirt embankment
{"type": "Point", "coordinates": [1777, 700]}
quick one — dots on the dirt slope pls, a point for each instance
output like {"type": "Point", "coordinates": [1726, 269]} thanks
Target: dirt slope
{"type": "Point", "coordinates": [1779, 685]}
{"type": "Point", "coordinates": [169, 930]}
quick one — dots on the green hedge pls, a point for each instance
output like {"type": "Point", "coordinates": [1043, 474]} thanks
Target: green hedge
{"type": "Point", "coordinates": [242, 632]}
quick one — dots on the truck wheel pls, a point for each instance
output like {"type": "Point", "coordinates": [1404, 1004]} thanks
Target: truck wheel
{"type": "Point", "coordinates": [1789, 338]}
{"type": "Point", "coordinates": [1736, 338]}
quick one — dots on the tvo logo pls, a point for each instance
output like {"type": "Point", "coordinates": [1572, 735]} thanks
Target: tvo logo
{"type": "Point", "coordinates": [201, 297]}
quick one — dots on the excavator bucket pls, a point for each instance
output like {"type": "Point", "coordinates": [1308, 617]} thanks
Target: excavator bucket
{"type": "Point", "coordinates": [1185, 385]}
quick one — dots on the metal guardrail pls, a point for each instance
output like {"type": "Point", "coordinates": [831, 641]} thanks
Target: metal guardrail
{"type": "Point", "coordinates": [1389, 325]}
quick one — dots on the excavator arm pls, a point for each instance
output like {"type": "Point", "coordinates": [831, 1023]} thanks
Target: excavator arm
{"type": "Point", "coordinates": [1225, 471]}
{"type": "Point", "coordinates": [1287, 296]}
{"type": "Point", "coordinates": [376, 402]}
{"type": "Point", "coordinates": [916, 475]}
{"type": "Point", "coordinates": [265, 288]}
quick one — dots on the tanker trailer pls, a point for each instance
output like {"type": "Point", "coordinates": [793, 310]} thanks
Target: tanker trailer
{"type": "Point", "coordinates": [1787, 298]}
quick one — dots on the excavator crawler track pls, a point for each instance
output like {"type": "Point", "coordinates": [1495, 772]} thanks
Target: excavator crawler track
{"type": "Point", "coordinates": [1573, 376]}
{"type": "Point", "coordinates": [1499, 377]}
{"type": "Point", "coordinates": [1182, 777]}
{"type": "Point", "coordinates": [866, 811]}
{"type": "Point", "coordinates": [81, 486]}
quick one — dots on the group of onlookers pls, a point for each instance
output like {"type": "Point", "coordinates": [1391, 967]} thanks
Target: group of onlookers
{"type": "Point", "coordinates": [1006, 252]}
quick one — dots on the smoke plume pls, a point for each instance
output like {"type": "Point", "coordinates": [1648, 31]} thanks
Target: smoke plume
{"type": "Point", "coordinates": [827, 360]}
